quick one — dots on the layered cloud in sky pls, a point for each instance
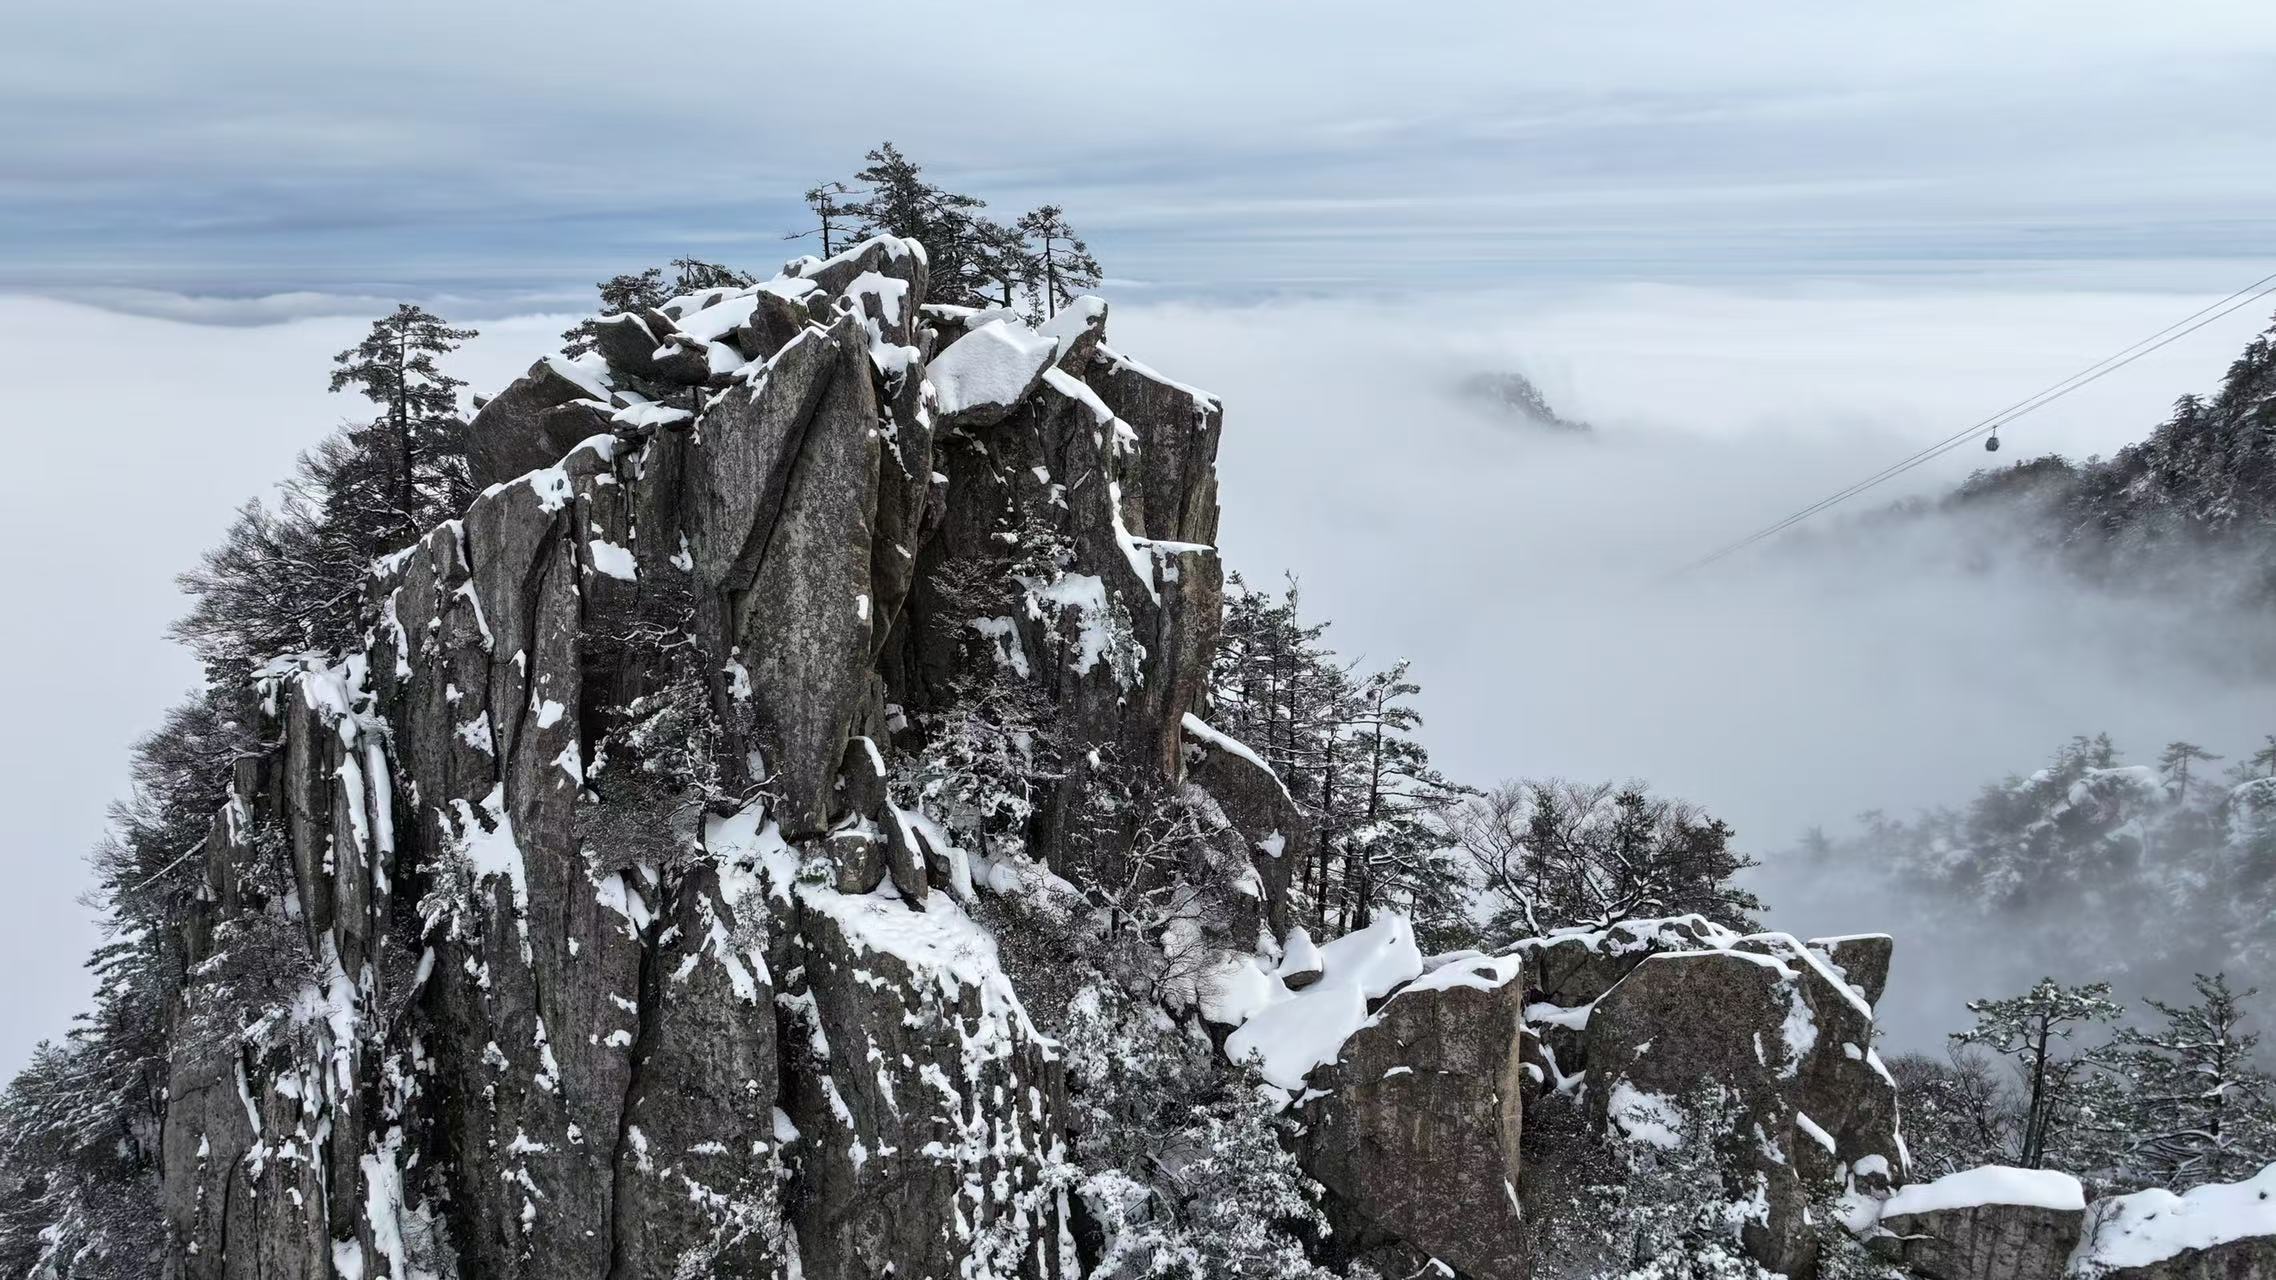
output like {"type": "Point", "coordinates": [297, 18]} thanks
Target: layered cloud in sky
{"type": "Point", "coordinates": [516, 151]}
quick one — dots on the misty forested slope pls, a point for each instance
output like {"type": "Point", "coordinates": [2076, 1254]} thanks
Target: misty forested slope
{"type": "Point", "coordinates": [2191, 506]}
{"type": "Point", "coordinates": [2136, 863]}
{"type": "Point", "coordinates": [2092, 867]}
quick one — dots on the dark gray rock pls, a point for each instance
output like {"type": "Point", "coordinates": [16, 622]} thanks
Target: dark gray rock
{"type": "Point", "coordinates": [928, 1111]}
{"type": "Point", "coordinates": [1078, 328]}
{"type": "Point", "coordinates": [645, 345]}
{"type": "Point", "coordinates": [1684, 1025]}
{"type": "Point", "coordinates": [1280, 838]}
{"type": "Point", "coordinates": [804, 626]}
{"type": "Point", "coordinates": [1982, 1242]}
{"type": "Point", "coordinates": [1418, 1128]}
{"type": "Point", "coordinates": [1860, 959]}
{"type": "Point", "coordinates": [982, 376]}
{"type": "Point", "coordinates": [1175, 490]}
{"type": "Point", "coordinates": [888, 256]}
{"type": "Point", "coordinates": [536, 419]}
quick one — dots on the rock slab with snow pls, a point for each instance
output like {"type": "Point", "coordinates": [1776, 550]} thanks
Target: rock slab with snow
{"type": "Point", "coordinates": [1984, 1224]}
{"type": "Point", "coordinates": [2220, 1231]}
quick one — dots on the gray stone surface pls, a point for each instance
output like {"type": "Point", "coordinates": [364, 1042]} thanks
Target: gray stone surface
{"type": "Point", "coordinates": [1983, 1242]}
{"type": "Point", "coordinates": [1418, 1128]}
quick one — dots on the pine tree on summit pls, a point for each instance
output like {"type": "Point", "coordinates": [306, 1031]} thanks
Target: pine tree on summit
{"type": "Point", "coordinates": [408, 468]}
{"type": "Point", "coordinates": [1061, 257]}
{"type": "Point", "coordinates": [956, 237]}
{"type": "Point", "coordinates": [833, 214]}
{"type": "Point", "coordinates": [291, 578]}
{"type": "Point", "coordinates": [2174, 764]}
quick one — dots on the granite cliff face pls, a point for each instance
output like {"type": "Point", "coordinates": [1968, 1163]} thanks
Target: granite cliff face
{"type": "Point", "coordinates": [621, 908]}
{"type": "Point", "coordinates": [563, 1027]}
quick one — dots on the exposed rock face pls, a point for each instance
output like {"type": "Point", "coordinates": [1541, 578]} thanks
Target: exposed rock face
{"type": "Point", "coordinates": [562, 1023]}
{"type": "Point", "coordinates": [1420, 1119]}
{"type": "Point", "coordinates": [1983, 1242]}
{"type": "Point", "coordinates": [480, 987]}
{"type": "Point", "coordinates": [1860, 959]}
{"type": "Point", "coordinates": [1784, 1044]}
{"type": "Point", "coordinates": [1419, 1126]}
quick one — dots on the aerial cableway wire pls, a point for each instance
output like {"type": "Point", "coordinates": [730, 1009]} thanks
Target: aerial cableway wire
{"type": "Point", "coordinates": [2109, 364]}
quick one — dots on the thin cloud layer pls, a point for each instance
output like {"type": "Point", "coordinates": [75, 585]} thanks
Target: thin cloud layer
{"type": "Point", "coordinates": [517, 147]}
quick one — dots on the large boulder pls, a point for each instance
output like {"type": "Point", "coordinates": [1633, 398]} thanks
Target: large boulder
{"type": "Point", "coordinates": [1417, 1124]}
{"type": "Point", "coordinates": [1758, 1027]}
{"type": "Point", "coordinates": [1685, 1046]}
{"type": "Point", "coordinates": [538, 417]}
{"type": "Point", "coordinates": [979, 378]}
{"type": "Point", "coordinates": [1984, 1224]}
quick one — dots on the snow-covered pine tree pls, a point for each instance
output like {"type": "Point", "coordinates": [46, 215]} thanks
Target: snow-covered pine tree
{"type": "Point", "coordinates": [291, 577]}
{"type": "Point", "coordinates": [1395, 852]}
{"type": "Point", "coordinates": [2175, 762]}
{"type": "Point", "coordinates": [2200, 1109]}
{"type": "Point", "coordinates": [2032, 1030]}
{"type": "Point", "coordinates": [406, 469]}
{"type": "Point", "coordinates": [1347, 746]}
{"type": "Point", "coordinates": [1063, 260]}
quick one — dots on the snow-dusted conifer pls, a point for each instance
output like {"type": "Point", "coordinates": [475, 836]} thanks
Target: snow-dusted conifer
{"type": "Point", "coordinates": [2201, 1110]}
{"type": "Point", "coordinates": [2033, 1030]}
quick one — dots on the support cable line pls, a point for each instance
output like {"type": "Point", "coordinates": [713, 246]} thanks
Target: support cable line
{"type": "Point", "coordinates": [2109, 364]}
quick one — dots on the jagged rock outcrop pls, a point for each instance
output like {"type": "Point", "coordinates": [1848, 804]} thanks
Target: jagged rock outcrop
{"type": "Point", "coordinates": [637, 951]}
{"type": "Point", "coordinates": [614, 910]}
{"type": "Point", "coordinates": [1420, 1080]}
{"type": "Point", "coordinates": [1786, 1049]}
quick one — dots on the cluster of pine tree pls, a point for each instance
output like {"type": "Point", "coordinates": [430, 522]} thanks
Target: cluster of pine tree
{"type": "Point", "coordinates": [2121, 874]}
{"type": "Point", "coordinates": [1344, 741]}
{"type": "Point", "coordinates": [2178, 859]}
{"type": "Point", "coordinates": [2180, 1102]}
{"type": "Point", "coordinates": [975, 260]}
{"type": "Point", "coordinates": [1469, 868]}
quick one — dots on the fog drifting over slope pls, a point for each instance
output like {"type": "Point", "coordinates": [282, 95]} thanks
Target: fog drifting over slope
{"type": "Point", "coordinates": [1523, 572]}
{"type": "Point", "coordinates": [1526, 572]}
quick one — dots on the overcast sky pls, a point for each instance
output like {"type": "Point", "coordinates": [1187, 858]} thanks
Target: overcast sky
{"type": "Point", "coordinates": [516, 150]}
{"type": "Point", "coordinates": [1767, 249]}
